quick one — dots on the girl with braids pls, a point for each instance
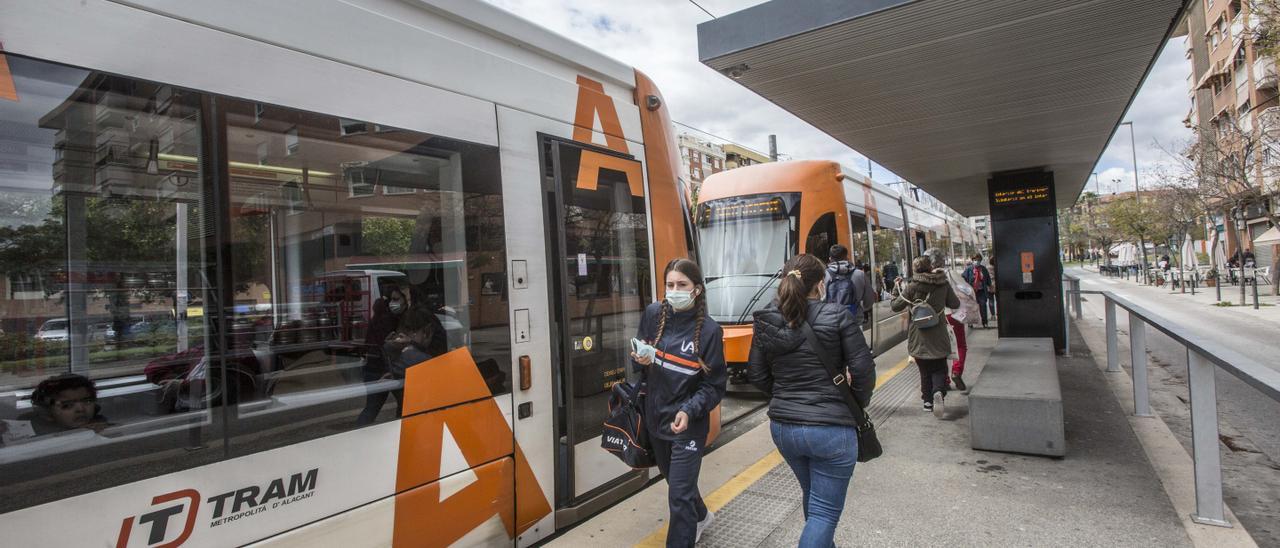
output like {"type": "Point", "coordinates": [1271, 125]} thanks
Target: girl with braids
{"type": "Point", "coordinates": [810, 420]}
{"type": "Point", "coordinates": [685, 380]}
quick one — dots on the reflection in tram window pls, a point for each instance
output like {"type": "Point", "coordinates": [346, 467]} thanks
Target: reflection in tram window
{"type": "Point", "coordinates": [891, 258]}
{"type": "Point", "coordinates": [102, 282]}
{"type": "Point", "coordinates": [743, 241]}
{"type": "Point", "coordinates": [342, 239]}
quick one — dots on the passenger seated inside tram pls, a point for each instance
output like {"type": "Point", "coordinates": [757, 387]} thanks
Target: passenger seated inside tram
{"type": "Point", "coordinates": [59, 404]}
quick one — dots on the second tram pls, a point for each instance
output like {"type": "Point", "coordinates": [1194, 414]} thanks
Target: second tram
{"type": "Point", "coordinates": [750, 220]}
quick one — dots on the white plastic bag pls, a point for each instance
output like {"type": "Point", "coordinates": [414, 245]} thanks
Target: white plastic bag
{"type": "Point", "coordinates": [955, 348]}
{"type": "Point", "coordinates": [968, 312]}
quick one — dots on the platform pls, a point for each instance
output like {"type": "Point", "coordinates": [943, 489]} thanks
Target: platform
{"type": "Point", "coordinates": [930, 487]}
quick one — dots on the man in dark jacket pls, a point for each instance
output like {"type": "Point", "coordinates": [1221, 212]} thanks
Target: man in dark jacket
{"type": "Point", "coordinates": [980, 279]}
{"type": "Point", "coordinates": [847, 285]}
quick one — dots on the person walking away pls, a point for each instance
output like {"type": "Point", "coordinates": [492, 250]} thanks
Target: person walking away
{"type": "Point", "coordinates": [957, 318]}
{"type": "Point", "coordinates": [991, 296]}
{"type": "Point", "coordinates": [685, 380]}
{"type": "Point", "coordinates": [846, 284]}
{"type": "Point", "coordinates": [929, 346]}
{"type": "Point", "coordinates": [979, 278]}
{"type": "Point", "coordinates": [811, 423]}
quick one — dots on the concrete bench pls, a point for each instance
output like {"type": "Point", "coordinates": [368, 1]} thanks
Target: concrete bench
{"type": "Point", "coordinates": [1016, 404]}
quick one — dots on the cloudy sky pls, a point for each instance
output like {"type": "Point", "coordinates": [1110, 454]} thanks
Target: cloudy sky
{"type": "Point", "coordinates": [659, 37]}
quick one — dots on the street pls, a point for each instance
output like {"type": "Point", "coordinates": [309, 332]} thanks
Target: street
{"type": "Point", "coordinates": [1249, 421]}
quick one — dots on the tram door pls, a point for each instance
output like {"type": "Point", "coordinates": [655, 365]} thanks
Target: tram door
{"type": "Point", "coordinates": [601, 282]}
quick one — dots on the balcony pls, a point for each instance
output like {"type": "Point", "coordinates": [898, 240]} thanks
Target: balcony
{"type": "Point", "coordinates": [1264, 74]}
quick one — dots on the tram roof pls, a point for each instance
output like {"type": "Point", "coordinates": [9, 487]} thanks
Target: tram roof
{"type": "Point", "coordinates": [947, 92]}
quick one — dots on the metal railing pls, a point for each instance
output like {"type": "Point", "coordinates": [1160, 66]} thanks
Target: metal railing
{"type": "Point", "coordinates": [1203, 355]}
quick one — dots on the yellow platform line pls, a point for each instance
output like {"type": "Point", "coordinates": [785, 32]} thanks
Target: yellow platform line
{"type": "Point", "coordinates": [739, 483]}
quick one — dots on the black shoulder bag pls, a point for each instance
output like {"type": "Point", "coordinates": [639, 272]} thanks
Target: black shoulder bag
{"type": "Point", "coordinates": [868, 444]}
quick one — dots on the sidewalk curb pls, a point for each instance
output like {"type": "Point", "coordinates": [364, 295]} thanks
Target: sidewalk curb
{"type": "Point", "coordinates": [1171, 462]}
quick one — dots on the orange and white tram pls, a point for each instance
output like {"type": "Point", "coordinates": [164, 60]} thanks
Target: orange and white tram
{"type": "Point", "coordinates": [750, 220]}
{"type": "Point", "coordinates": [205, 208]}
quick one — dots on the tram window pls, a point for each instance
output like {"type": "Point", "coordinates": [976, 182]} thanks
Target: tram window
{"type": "Point", "coordinates": [327, 331]}
{"type": "Point", "coordinates": [860, 248]}
{"type": "Point", "coordinates": [822, 235]}
{"type": "Point", "coordinates": [104, 373]}
{"type": "Point", "coordinates": [891, 258]}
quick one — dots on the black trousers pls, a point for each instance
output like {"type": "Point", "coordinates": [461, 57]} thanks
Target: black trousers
{"type": "Point", "coordinates": [933, 377]}
{"type": "Point", "coordinates": [681, 461]}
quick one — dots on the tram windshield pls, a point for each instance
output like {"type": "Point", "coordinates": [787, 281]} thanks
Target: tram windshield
{"type": "Point", "coordinates": [743, 242]}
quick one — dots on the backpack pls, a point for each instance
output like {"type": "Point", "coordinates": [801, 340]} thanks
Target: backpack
{"type": "Point", "coordinates": [840, 290]}
{"type": "Point", "coordinates": [921, 315]}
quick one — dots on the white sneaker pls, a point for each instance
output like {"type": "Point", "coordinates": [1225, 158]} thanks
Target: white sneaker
{"type": "Point", "coordinates": [939, 404]}
{"type": "Point", "coordinates": [703, 525]}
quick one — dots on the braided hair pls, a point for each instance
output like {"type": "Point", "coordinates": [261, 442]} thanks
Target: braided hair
{"type": "Point", "coordinates": [691, 270]}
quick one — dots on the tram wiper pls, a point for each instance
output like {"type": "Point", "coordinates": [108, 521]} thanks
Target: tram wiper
{"type": "Point", "coordinates": [746, 311]}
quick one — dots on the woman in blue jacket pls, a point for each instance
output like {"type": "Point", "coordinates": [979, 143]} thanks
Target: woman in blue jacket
{"type": "Point", "coordinates": [686, 379]}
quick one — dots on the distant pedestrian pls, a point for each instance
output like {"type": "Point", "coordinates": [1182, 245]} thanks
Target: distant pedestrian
{"type": "Point", "coordinates": [979, 279]}
{"type": "Point", "coordinates": [1249, 260]}
{"type": "Point", "coordinates": [847, 285]}
{"type": "Point", "coordinates": [811, 423]}
{"type": "Point", "coordinates": [991, 297]}
{"type": "Point", "coordinates": [927, 342]}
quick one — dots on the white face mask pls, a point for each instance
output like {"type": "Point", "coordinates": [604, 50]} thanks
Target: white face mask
{"type": "Point", "coordinates": [395, 306]}
{"type": "Point", "coordinates": [680, 300]}
{"type": "Point", "coordinates": [822, 291]}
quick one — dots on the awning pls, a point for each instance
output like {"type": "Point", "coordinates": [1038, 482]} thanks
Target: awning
{"type": "Point", "coordinates": [1269, 237]}
{"type": "Point", "coordinates": [947, 92]}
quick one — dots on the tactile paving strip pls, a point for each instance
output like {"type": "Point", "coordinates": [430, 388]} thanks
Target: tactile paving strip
{"type": "Point", "coordinates": [757, 512]}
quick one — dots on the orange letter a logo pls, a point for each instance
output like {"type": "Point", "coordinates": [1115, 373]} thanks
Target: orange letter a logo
{"type": "Point", "coordinates": [593, 103]}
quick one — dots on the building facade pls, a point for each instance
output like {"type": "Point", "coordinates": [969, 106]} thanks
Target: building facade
{"type": "Point", "coordinates": [701, 159]}
{"type": "Point", "coordinates": [1232, 85]}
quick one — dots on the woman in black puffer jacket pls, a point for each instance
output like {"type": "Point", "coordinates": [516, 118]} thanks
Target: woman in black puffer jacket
{"type": "Point", "coordinates": [811, 424]}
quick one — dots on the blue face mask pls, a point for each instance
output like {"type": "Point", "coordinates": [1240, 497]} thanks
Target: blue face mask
{"type": "Point", "coordinates": [680, 300]}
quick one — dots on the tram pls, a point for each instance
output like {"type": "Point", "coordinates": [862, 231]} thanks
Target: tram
{"type": "Point", "coordinates": [230, 205]}
{"type": "Point", "coordinates": [750, 220]}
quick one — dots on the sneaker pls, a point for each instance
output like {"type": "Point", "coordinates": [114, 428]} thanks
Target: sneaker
{"type": "Point", "coordinates": [959, 382]}
{"type": "Point", "coordinates": [703, 525]}
{"type": "Point", "coordinates": [939, 404]}
{"type": "Point", "coordinates": [928, 406]}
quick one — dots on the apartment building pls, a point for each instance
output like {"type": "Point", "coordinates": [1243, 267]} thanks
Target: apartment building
{"type": "Point", "coordinates": [701, 159]}
{"type": "Point", "coordinates": [1231, 82]}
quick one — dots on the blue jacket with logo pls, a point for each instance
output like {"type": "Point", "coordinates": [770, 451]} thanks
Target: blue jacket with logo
{"type": "Point", "coordinates": [675, 380]}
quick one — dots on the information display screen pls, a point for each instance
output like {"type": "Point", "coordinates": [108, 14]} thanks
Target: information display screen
{"type": "Point", "coordinates": [736, 209]}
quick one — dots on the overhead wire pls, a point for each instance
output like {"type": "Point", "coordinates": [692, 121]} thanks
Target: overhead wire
{"type": "Point", "coordinates": [704, 10]}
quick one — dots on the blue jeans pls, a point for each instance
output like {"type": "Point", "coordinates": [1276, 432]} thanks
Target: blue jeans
{"type": "Point", "coordinates": [822, 458]}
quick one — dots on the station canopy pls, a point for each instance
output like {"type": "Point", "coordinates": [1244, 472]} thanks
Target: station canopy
{"type": "Point", "coordinates": [946, 92]}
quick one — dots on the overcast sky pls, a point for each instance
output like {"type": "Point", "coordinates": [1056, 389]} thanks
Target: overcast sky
{"type": "Point", "coordinates": [659, 37]}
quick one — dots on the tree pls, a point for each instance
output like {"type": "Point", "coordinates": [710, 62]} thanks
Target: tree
{"type": "Point", "coordinates": [1266, 26]}
{"type": "Point", "coordinates": [1137, 221]}
{"type": "Point", "coordinates": [1183, 208]}
{"type": "Point", "coordinates": [1231, 168]}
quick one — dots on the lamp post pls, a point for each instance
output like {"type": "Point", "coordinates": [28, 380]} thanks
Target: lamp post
{"type": "Point", "coordinates": [1239, 218]}
{"type": "Point", "coordinates": [1133, 145]}
{"type": "Point", "coordinates": [1097, 194]}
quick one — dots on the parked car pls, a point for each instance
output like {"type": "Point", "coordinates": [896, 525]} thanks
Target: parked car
{"type": "Point", "coordinates": [53, 330]}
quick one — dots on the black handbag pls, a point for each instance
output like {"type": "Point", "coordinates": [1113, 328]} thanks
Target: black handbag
{"type": "Point", "coordinates": [624, 433]}
{"type": "Point", "coordinates": [868, 444]}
